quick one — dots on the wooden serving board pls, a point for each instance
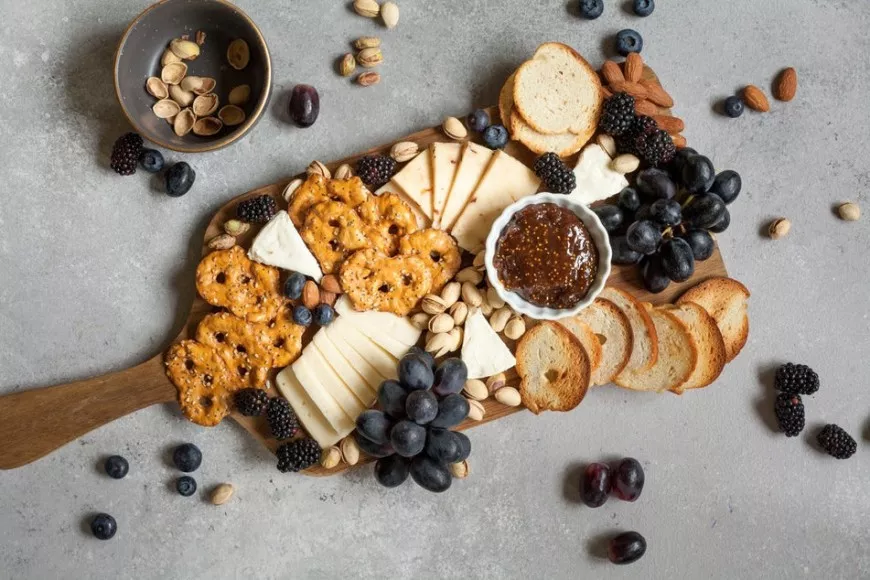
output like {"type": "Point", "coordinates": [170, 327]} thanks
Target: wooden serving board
{"type": "Point", "coordinates": [66, 412]}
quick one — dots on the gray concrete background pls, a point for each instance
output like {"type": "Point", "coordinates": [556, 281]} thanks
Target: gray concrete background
{"type": "Point", "coordinates": [97, 271]}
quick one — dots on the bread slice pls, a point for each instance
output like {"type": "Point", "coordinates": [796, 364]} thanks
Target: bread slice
{"type": "Point", "coordinates": [563, 145]}
{"type": "Point", "coordinates": [711, 347]}
{"type": "Point", "coordinates": [725, 300]}
{"type": "Point", "coordinates": [557, 92]}
{"type": "Point", "coordinates": [553, 367]}
{"type": "Point", "coordinates": [645, 343]}
{"type": "Point", "coordinates": [678, 356]}
{"type": "Point", "coordinates": [613, 330]}
{"type": "Point", "coordinates": [587, 338]}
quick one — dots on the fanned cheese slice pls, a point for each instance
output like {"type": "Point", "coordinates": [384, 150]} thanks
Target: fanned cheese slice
{"type": "Point", "coordinates": [475, 160]}
{"type": "Point", "coordinates": [279, 244]}
{"type": "Point", "coordinates": [445, 160]}
{"type": "Point", "coordinates": [356, 360]}
{"type": "Point", "coordinates": [312, 419]}
{"type": "Point", "coordinates": [323, 399]}
{"type": "Point", "coordinates": [374, 324]}
{"type": "Point", "coordinates": [363, 381]}
{"type": "Point", "coordinates": [506, 181]}
{"type": "Point", "coordinates": [483, 352]}
{"type": "Point", "coordinates": [415, 182]}
{"type": "Point", "coordinates": [384, 362]}
{"type": "Point", "coordinates": [595, 179]}
{"type": "Point", "coordinates": [340, 391]}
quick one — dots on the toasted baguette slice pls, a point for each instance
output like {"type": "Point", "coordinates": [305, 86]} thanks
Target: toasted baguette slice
{"type": "Point", "coordinates": [726, 301]}
{"type": "Point", "coordinates": [613, 330]}
{"type": "Point", "coordinates": [711, 347]}
{"type": "Point", "coordinates": [645, 343]}
{"type": "Point", "coordinates": [563, 145]}
{"type": "Point", "coordinates": [678, 356]}
{"type": "Point", "coordinates": [553, 368]}
{"type": "Point", "coordinates": [587, 338]}
{"type": "Point", "coordinates": [557, 92]}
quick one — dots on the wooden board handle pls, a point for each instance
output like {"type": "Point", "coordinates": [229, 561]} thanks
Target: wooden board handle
{"type": "Point", "coordinates": [36, 422]}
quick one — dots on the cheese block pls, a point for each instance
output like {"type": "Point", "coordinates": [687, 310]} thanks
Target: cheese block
{"type": "Point", "coordinates": [323, 399]}
{"type": "Point", "coordinates": [279, 244]}
{"type": "Point", "coordinates": [475, 160]}
{"type": "Point", "coordinates": [398, 328]}
{"type": "Point", "coordinates": [445, 160]}
{"type": "Point", "coordinates": [506, 180]}
{"type": "Point", "coordinates": [483, 352]}
{"type": "Point", "coordinates": [356, 360]}
{"type": "Point", "coordinates": [415, 182]}
{"type": "Point", "coordinates": [312, 419]}
{"type": "Point", "coordinates": [353, 339]}
{"type": "Point", "coordinates": [595, 179]}
{"type": "Point", "coordinates": [363, 380]}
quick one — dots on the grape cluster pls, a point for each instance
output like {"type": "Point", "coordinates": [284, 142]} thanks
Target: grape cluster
{"type": "Point", "coordinates": [410, 433]}
{"type": "Point", "coordinates": [664, 223]}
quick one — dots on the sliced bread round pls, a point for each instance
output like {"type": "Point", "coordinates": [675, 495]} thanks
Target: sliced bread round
{"type": "Point", "coordinates": [711, 347]}
{"type": "Point", "coordinates": [613, 330]}
{"type": "Point", "coordinates": [678, 356]}
{"type": "Point", "coordinates": [553, 367]}
{"type": "Point", "coordinates": [587, 338]}
{"type": "Point", "coordinates": [725, 300]}
{"type": "Point", "coordinates": [645, 349]}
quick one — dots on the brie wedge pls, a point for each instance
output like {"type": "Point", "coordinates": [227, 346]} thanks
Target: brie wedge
{"type": "Point", "coordinates": [279, 244]}
{"type": "Point", "coordinates": [595, 179]}
{"type": "Point", "coordinates": [483, 352]}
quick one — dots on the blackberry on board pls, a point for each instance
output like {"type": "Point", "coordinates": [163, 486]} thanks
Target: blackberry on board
{"type": "Point", "coordinates": [836, 442]}
{"type": "Point", "coordinates": [376, 170]}
{"type": "Point", "coordinates": [257, 210]}
{"type": "Point", "coordinates": [796, 379]}
{"type": "Point", "coordinates": [251, 402]}
{"type": "Point", "coordinates": [641, 126]}
{"type": "Point", "coordinates": [125, 153]}
{"type": "Point", "coordinates": [789, 411]}
{"type": "Point", "coordinates": [655, 148]}
{"type": "Point", "coordinates": [558, 177]}
{"type": "Point", "coordinates": [283, 422]}
{"type": "Point", "coordinates": [618, 114]}
{"type": "Point", "coordinates": [298, 455]}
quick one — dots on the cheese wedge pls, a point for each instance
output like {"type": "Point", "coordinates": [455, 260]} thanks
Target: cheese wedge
{"type": "Point", "coordinates": [415, 182]}
{"type": "Point", "coordinates": [356, 360]}
{"type": "Point", "coordinates": [483, 352]}
{"type": "Point", "coordinates": [323, 399]}
{"type": "Point", "coordinates": [506, 180]}
{"type": "Point", "coordinates": [445, 160]}
{"type": "Point", "coordinates": [364, 386]}
{"type": "Point", "coordinates": [398, 328]}
{"type": "Point", "coordinates": [347, 336]}
{"type": "Point", "coordinates": [279, 244]}
{"type": "Point", "coordinates": [312, 419]}
{"type": "Point", "coordinates": [595, 179]}
{"type": "Point", "coordinates": [475, 160]}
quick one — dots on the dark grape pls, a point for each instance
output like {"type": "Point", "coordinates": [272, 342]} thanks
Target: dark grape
{"type": "Point", "coordinates": [698, 174]}
{"type": "Point", "coordinates": [464, 444]}
{"type": "Point", "coordinates": [374, 449]}
{"type": "Point", "coordinates": [626, 548]}
{"type": "Point", "coordinates": [443, 445]}
{"type": "Point", "coordinates": [452, 410]}
{"type": "Point", "coordinates": [643, 236]}
{"type": "Point", "coordinates": [678, 261]}
{"type": "Point", "coordinates": [704, 210]}
{"type": "Point", "coordinates": [450, 377]}
{"type": "Point", "coordinates": [391, 471]}
{"type": "Point", "coordinates": [666, 212]}
{"type": "Point", "coordinates": [676, 166]}
{"type": "Point", "coordinates": [407, 438]}
{"type": "Point", "coordinates": [304, 105]}
{"type": "Point", "coordinates": [429, 474]}
{"type": "Point", "coordinates": [391, 398]}
{"type": "Point", "coordinates": [415, 373]}
{"type": "Point", "coordinates": [374, 425]}
{"type": "Point", "coordinates": [596, 484]}
{"type": "Point", "coordinates": [654, 278]}
{"type": "Point", "coordinates": [421, 407]}
{"type": "Point", "coordinates": [642, 213]}
{"type": "Point", "coordinates": [629, 199]}
{"type": "Point", "coordinates": [611, 217]}
{"type": "Point", "coordinates": [727, 185]}
{"type": "Point", "coordinates": [655, 184]}
{"type": "Point", "coordinates": [628, 479]}
{"type": "Point", "coordinates": [722, 223]}
{"type": "Point", "coordinates": [622, 254]}
{"type": "Point", "coordinates": [701, 243]}
{"type": "Point", "coordinates": [417, 351]}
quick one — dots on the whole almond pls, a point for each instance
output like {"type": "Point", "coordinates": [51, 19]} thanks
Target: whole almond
{"type": "Point", "coordinates": [657, 94]}
{"type": "Point", "coordinates": [608, 143]}
{"type": "Point", "coordinates": [366, 42]}
{"type": "Point", "coordinates": [450, 293]}
{"type": "Point", "coordinates": [679, 141]}
{"type": "Point", "coordinates": [625, 163]}
{"type": "Point", "coordinates": [475, 389]}
{"type": "Point", "coordinates": [495, 382]}
{"type": "Point", "coordinates": [404, 151]}
{"type": "Point", "coordinates": [310, 294]}
{"type": "Point", "coordinates": [471, 295]}
{"type": "Point", "coordinates": [779, 228]}
{"type": "Point", "coordinates": [611, 72]}
{"type": "Point", "coordinates": [756, 99]}
{"type": "Point", "coordinates": [508, 396]}
{"type": "Point", "coordinates": [646, 107]}
{"type": "Point", "coordinates": [222, 494]}
{"type": "Point", "coordinates": [459, 312]}
{"type": "Point", "coordinates": [515, 328]}
{"type": "Point", "coordinates": [786, 85]}
{"type": "Point", "coordinates": [344, 171]}
{"type": "Point", "coordinates": [350, 450]}
{"type": "Point", "coordinates": [669, 123]}
{"type": "Point", "coordinates": [222, 242]}
{"type": "Point", "coordinates": [633, 67]}
{"type": "Point", "coordinates": [420, 320]}
{"type": "Point", "coordinates": [849, 212]}
{"type": "Point", "coordinates": [493, 298]}
{"type": "Point", "coordinates": [476, 410]}
{"type": "Point", "coordinates": [454, 128]}
{"type": "Point", "coordinates": [330, 457]}
{"type": "Point", "coordinates": [500, 318]}
{"type": "Point", "coordinates": [369, 57]}
{"type": "Point", "coordinates": [390, 14]}
{"type": "Point", "coordinates": [347, 65]}
{"type": "Point", "coordinates": [291, 189]}
{"type": "Point", "coordinates": [606, 93]}
{"type": "Point", "coordinates": [636, 90]}
{"type": "Point", "coordinates": [441, 323]}
{"type": "Point", "coordinates": [328, 297]}
{"type": "Point", "coordinates": [367, 8]}
{"type": "Point", "coordinates": [470, 274]}
{"type": "Point", "coordinates": [368, 79]}
{"type": "Point", "coordinates": [330, 283]}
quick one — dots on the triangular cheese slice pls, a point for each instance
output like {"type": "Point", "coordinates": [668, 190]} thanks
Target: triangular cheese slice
{"type": "Point", "coordinates": [475, 160]}
{"type": "Point", "coordinates": [279, 244]}
{"type": "Point", "coordinates": [506, 181]}
{"type": "Point", "coordinates": [483, 352]}
{"type": "Point", "coordinates": [415, 182]}
{"type": "Point", "coordinates": [445, 160]}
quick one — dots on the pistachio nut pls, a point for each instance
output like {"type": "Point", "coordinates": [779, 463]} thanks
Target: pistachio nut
{"type": "Point", "coordinates": [486, 308]}
{"type": "Point", "coordinates": [625, 163]}
{"type": "Point", "coordinates": [366, 42]}
{"type": "Point", "coordinates": [495, 382]}
{"type": "Point", "coordinates": [476, 410]}
{"type": "Point", "coordinates": [207, 126]}
{"type": "Point", "coordinates": [607, 143]}
{"type": "Point", "coordinates": [318, 168]}
{"type": "Point", "coordinates": [156, 88]}
{"type": "Point", "coordinates": [454, 128]}
{"type": "Point", "coordinates": [368, 79]}
{"type": "Point", "coordinates": [475, 389]}
{"type": "Point", "coordinates": [239, 95]}
{"type": "Point", "coordinates": [441, 323]}
{"type": "Point", "coordinates": [367, 8]}
{"type": "Point", "coordinates": [390, 14]}
{"type": "Point", "coordinates": [200, 37]}
{"type": "Point", "coordinates": [479, 260]}
{"type": "Point", "coordinates": [222, 494]}
{"type": "Point", "coordinates": [471, 295]}
{"type": "Point", "coordinates": [166, 108]}
{"type": "Point", "coordinates": [344, 171]}
{"type": "Point", "coordinates": [420, 320]}
{"type": "Point", "coordinates": [438, 342]}
{"type": "Point", "coordinates": [404, 151]}
{"type": "Point", "coordinates": [331, 457]}
{"type": "Point", "coordinates": [493, 298]}
{"type": "Point", "coordinates": [236, 227]}
{"type": "Point", "coordinates": [221, 242]}
{"type": "Point", "coordinates": [460, 469]}
{"type": "Point", "coordinates": [291, 189]}
{"type": "Point", "coordinates": [184, 49]}
{"type": "Point", "coordinates": [347, 65]}
{"type": "Point", "coordinates": [508, 396]}
{"type": "Point", "coordinates": [173, 73]}
{"type": "Point", "coordinates": [500, 318]}
{"type": "Point", "coordinates": [205, 105]}
{"type": "Point", "coordinates": [350, 450]}
{"type": "Point", "coordinates": [450, 293]}
{"type": "Point", "coordinates": [456, 334]}
{"type": "Point", "coordinates": [849, 212]}
{"type": "Point", "coordinates": [433, 304]}
{"type": "Point", "coordinates": [515, 328]}
{"type": "Point", "coordinates": [779, 228]}
{"type": "Point", "coordinates": [470, 274]}
{"type": "Point", "coordinates": [198, 85]}
{"type": "Point", "coordinates": [238, 54]}
{"type": "Point", "coordinates": [168, 58]}
{"type": "Point", "coordinates": [184, 121]}
{"type": "Point", "coordinates": [369, 57]}
{"type": "Point", "coordinates": [180, 96]}
{"type": "Point", "coordinates": [459, 312]}
{"type": "Point", "coordinates": [231, 115]}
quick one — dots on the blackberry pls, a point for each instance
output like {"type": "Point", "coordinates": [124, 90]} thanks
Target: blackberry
{"type": "Point", "coordinates": [796, 379]}
{"type": "Point", "coordinates": [282, 420]}
{"type": "Point", "coordinates": [125, 154]}
{"type": "Point", "coordinates": [836, 442]}
{"type": "Point", "coordinates": [251, 402]}
{"type": "Point", "coordinates": [553, 171]}
{"type": "Point", "coordinates": [618, 115]}
{"type": "Point", "coordinates": [640, 127]}
{"type": "Point", "coordinates": [258, 210]}
{"type": "Point", "coordinates": [298, 455]}
{"type": "Point", "coordinates": [376, 170]}
{"type": "Point", "coordinates": [789, 414]}
{"type": "Point", "coordinates": [656, 148]}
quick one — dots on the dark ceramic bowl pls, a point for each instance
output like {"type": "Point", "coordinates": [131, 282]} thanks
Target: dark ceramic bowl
{"type": "Point", "coordinates": [143, 43]}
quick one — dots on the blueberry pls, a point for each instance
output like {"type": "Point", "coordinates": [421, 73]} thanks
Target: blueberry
{"type": "Point", "coordinates": [478, 120]}
{"type": "Point", "coordinates": [324, 314]}
{"type": "Point", "coordinates": [591, 9]}
{"type": "Point", "coordinates": [734, 106]}
{"type": "Point", "coordinates": [644, 7]}
{"type": "Point", "coordinates": [628, 41]}
{"type": "Point", "coordinates": [629, 200]}
{"type": "Point", "coordinates": [185, 485]}
{"type": "Point", "coordinates": [116, 467]}
{"type": "Point", "coordinates": [151, 160]}
{"type": "Point", "coordinates": [415, 373]}
{"type": "Point", "coordinates": [179, 179]}
{"type": "Point", "coordinates": [103, 526]}
{"type": "Point", "coordinates": [302, 316]}
{"type": "Point", "coordinates": [187, 457]}
{"type": "Point", "coordinates": [293, 285]}
{"type": "Point", "coordinates": [450, 376]}
{"type": "Point", "coordinates": [495, 137]}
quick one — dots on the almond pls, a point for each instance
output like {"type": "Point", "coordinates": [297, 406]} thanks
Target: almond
{"type": "Point", "coordinates": [611, 72]}
{"type": "Point", "coordinates": [756, 99]}
{"type": "Point", "coordinates": [646, 108]}
{"type": "Point", "coordinates": [327, 297]}
{"type": "Point", "coordinates": [633, 67]}
{"type": "Point", "coordinates": [310, 295]}
{"type": "Point", "coordinates": [679, 141]}
{"type": "Point", "coordinates": [786, 85]}
{"type": "Point", "coordinates": [330, 284]}
{"type": "Point", "coordinates": [636, 90]}
{"type": "Point", "coordinates": [669, 124]}
{"type": "Point", "coordinates": [606, 93]}
{"type": "Point", "coordinates": [657, 94]}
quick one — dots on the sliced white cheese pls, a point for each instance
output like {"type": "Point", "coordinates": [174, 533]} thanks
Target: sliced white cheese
{"type": "Point", "coordinates": [334, 385]}
{"type": "Point", "coordinates": [595, 179]}
{"type": "Point", "coordinates": [445, 160]}
{"type": "Point", "coordinates": [279, 244]}
{"type": "Point", "coordinates": [415, 181]}
{"type": "Point", "coordinates": [475, 160]}
{"type": "Point", "coordinates": [506, 181]}
{"type": "Point", "coordinates": [386, 324]}
{"type": "Point", "coordinates": [356, 360]}
{"type": "Point", "coordinates": [384, 362]}
{"type": "Point", "coordinates": [312, 419]}
{"type": "Point", "coordinates": [321, 397]}
{"type": "Point", "coordinates": [364, 387]}
{"type": "Point", "coordinates": [483, 352]}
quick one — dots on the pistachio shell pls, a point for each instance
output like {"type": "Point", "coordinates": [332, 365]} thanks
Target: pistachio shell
{"type": "Point", "coordinates": [166, 108]}
{"type": "Point", "coordinates": [184, 49]}
{"type": "Point", "coordinates": [231, 115]}
{"type": "Point", "coordinates": [168, 58]}
{"type": "Point", "coordinates": [207, 126]}
{"type": "Point", "coordinates": [238, 54]}
{"type": "Point", "coordinates": [205, 105]}
{"type": "Point", "coordinates": [170, 120]}
{"type": "Point", "coordinates": [156, 88]}
{"type": "Point", "coordinates": [184, 122]}
{"type": "Point", "coordinates": [198, 85]}
{"type": "Point", "coordinates": [240, 95]}
{"type": "Point", "coordinates": [173, 73]}
{"type": "Point", "coordinates": [180, 96]}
